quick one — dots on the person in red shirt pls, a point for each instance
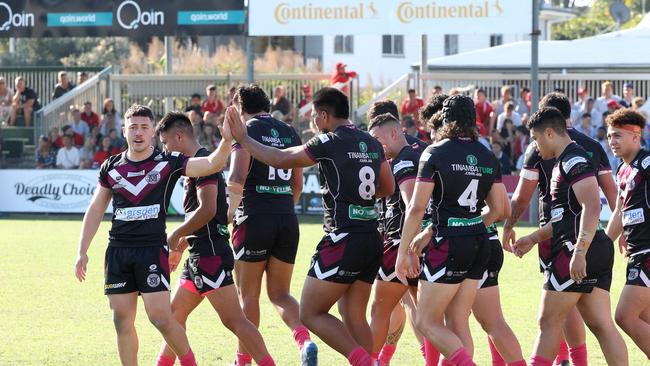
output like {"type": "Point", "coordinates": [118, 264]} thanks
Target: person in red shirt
{"type": "Point", "coordinates": [411, 106]}
{"type": "Point", "coordinates": [90, 117]}
{"type": "Point", "coordinates": [484, 113]}
{"type": "Point", "coordinates": [342, 76]}
{"type": "Point", "coordinates": [211, 107]}
{"type": "Point", "coordinates": [104, 152]}
{"type": "Point", "coordinates": [77, 139]}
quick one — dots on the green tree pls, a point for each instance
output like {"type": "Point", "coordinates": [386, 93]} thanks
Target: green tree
{"type": "Point", "coordinates": [596, 20]}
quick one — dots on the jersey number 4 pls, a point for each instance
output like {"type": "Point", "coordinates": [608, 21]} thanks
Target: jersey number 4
{"type": "Point", "coordinates": [469, 197]}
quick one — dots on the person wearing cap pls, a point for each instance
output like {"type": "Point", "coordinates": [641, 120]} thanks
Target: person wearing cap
{"type": "Point", "coordinates": [458, 255]}
{"type": "Point", "coordinates": [340, 75]}
{"type": "Point", "coordinates": [628, 95]}
{"type": "Point", "coordinates": [212, 106]}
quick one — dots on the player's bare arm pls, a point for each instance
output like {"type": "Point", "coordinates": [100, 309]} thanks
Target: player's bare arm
{"type": "Point", "coordinates": [497, 203]}
{"type": "Point", "coordinates": [586, 192]}
{"type": "Point", "coordinates": [91, 221]}
{"type": "Point", "coordinates": [608, 186]}
{"type": "Point", "coordinates": [407, 264]}
{"type": "Point", "coordinates": [296, 184]}
{"type": "Point", "coordinates": [519, 203]}
{"type": "Point", "coordinates": [207, 196]}
{"type": "Point", "coordinates": [615, 226]}
{"type": "Point", "coordinates": [215, 162]}
{"type": "Point", "coordinates": [239, 165]}
{"type": "Point", "coordinates": [524, 244]}
{"type": "Point", "coordinates": [386, 182]}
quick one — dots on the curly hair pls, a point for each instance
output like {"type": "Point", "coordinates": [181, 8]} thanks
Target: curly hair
{"type": "Point", "coordinates": [626, 117]}
{"type": "Point", "coordinates": [453, 130]}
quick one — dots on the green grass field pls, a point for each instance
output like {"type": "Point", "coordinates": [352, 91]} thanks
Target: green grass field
{"type": "Point", "coordinates": [48, 318]}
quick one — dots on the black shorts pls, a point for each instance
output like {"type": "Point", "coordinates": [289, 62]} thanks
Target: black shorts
{"type": "Point", "coordinates": [203, 274]}
{"type": "Point", "coordinates": [544, 252]}
{"type": "Point", "coordinates": [387, 268]}
{"type": "Point", "coordinates": [347, 257]}
{"type": "Point", "coordinates": [131, 269]}
{"type": "Point", "coordinates": [638, 270]}
{"type": "Point", "coordinates": [491, 275]}
{"type": "Point", "coordinates": [257, 237]}
{"type": "Point", "coordinates": [452, 259]}
{"type": "Point", "coordinates": [600, 260]}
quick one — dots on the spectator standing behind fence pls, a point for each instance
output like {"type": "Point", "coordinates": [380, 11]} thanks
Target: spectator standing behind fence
{"type": "Point", "coordinates": [601, 137]}
{"type": "Point", "coordinates": [212, 107]}
{"type": "Point", "coordinates": [195, 105]}
{"type": "Point", "coordinates": [231, 95]}
{"type": "Point", "coordinates": [607, 94]}
{"type": "Point", "coordinates": [117, 142]}
{"type": "Point", "coordinates": [207, 138]}
{"type": "Point", "coordinates": [590, 108]}
{"type": "Point", "coordinates": [340, 75]}
{"type": "Point", "coordinates": [87, 152]}
{"type": "Point", "coordinates": [507, 134]}
{"type": "Point", "coordinates": [6, 97]}
{"type": "Point", "coordinates": [91, 118]}
{"type": "Point", "coordinates": [281, 103]}
{"type": "Point", "coordinates": [68, 156]}
{"type": "Point", "coordinates": [307, 97]}
{"type": "Point", "coordinates": [63, 86]}
{"type": "Point", "coordinates": [522, 103]}
{"type": "Point", "coordinates": [25, 102]}
{"type": "Point", "coordinates": [628, 95]}
{"type": "Point", "coordinates": [499, 105]}
{"type": "Point", "coordinates": [411, 106]}
{"type": "Point", "coordinates": [45, 154]}
{"type": "Point", "coordinates": [110, 118]}
{"type": "Point", "coordinates": [104, 152]}
{"type": "Point", "coordinates": [78, 125]}
{"type": "Point", "coordinates": [504, 160]}
{"type": "Point", "coordinates": [67, 130]}
{"type": "Point", "coordinates": [586, 126]}
{"type": "Point", "coordinates": [82, 76]}
{"type": "Point", "coordinates": [483, 112]}
{"type": "Point", "coordinates": [508, 113]}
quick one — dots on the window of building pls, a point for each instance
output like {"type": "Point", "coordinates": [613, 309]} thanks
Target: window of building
{"type": "Point", "coordinates": [451, 44]}
{"type": "Point", "coordinates": [496, 40]}
{"type": "Point", "coordinates": [344, 44]}
{"type": "Point", "coordinates": [392, 45]}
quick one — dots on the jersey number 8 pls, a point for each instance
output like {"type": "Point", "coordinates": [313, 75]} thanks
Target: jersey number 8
{"type": "Point", "coordinates": [367, 186]}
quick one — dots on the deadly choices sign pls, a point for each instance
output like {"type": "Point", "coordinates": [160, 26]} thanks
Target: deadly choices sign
{"type": "Point", "coordinates": [131, 18]}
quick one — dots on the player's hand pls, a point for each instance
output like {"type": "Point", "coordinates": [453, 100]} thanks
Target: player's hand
{"type": "Point", "coordinates": [173, 241]}
{"type": "Point", "coordinates": [175, 257]}
{"type": "Point", "coordinates": [226, 126]}
{"type": "Point", "coordinates": [509, 238]}
{"type": "Point", "coordinates": [622, 246]}
{"type": "Point", "coordinates": [523, 246]}
{"type": "Point", "coordinates": [421, 241]}
{"type": "Point", "coordinates": [237, 127]}
{"type": "Point", "coordinates": [407, 266]}
{"type": "Point", "coordinates": [578, 266]}
{"type": "Point", "coordinates": [80, 267]}
{"type": "Point", "coordinates": [230, 216]}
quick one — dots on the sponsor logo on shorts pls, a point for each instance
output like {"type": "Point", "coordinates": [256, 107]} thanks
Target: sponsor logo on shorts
{"type": "Point", "coordinates": [153, 280]}
{"type": "Point", "coordinates": [111, 286]}
{"type": "Point", "coordinates": [198, 282]}
{"type": "Point", "coordinates": [137, 213]}
{"type": "Point", "coordinates": [343, 273]}
{"type": "Point", "coordinates": [256, 252]}
{"type": "Point", "coordinates": [633, 217]}
{"type": "Point", "coordinates": [633, 274]}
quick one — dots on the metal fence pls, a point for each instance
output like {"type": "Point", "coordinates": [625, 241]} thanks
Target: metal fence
{"type": "Point", "coordinates": [57, 113]}
{"type": "Point", "coordinates": [43, 78]}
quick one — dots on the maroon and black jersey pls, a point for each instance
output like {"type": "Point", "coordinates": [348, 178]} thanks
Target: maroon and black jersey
{"type": "Point", "coordinates": [463, 172]}
{"type": "Point", "coordinates": [349, 162]}
{"type": "Point", "coordinates": [393, 208]}
{"type": "Point", "coordinates": [633, 190]}
{"type": "Point", "coordinates": [141, 193]}
{"type": "Point", "coordinates": [209, 239]}
{"type": "Point", "coordinates": [543, 169]}
{"type": "Point", "coordinates": [416, 143]}
{"type": "Point", "coordinates": [267, 190]}
{"type": "Point", "coordinates": [572, 166]}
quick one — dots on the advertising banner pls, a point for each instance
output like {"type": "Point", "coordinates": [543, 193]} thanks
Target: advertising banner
{"type": "Point", "coordinates": [130, 18]}
{"type": "Point", "coordinates": [334, 17]}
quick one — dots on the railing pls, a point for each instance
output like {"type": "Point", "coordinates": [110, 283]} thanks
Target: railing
{"type": "Point", "coordinates": [492, 82]}
{"type": "Point", "coordinates": [56, 113]}
{"type": "Point", "coordinates": [42, 78]}
{"type": "Point", "coordinates": [395, 91]}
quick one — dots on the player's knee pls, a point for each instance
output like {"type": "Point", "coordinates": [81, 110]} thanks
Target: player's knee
{"type": "Point", "coordinates": [547, 322]}
{"type": "Point", "coordinates": [307, 316]}
{"type": "Point", "coordinates": [278, 297]}
{"type": "Point", "coordinates": [624, 319]}
{"type": "Point", "coordinates": [160, 321]}
{"type": "Point", "coordinates": [123, 324]}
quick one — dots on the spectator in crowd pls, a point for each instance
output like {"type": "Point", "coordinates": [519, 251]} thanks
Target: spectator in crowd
{"type": "Point", "coordinates": [504, 160]}
{"type": "Point", "coordinates": [82, 76]}
{"type": "Point", "coordinates": [6, 97]}
{"type": "Point", "coordinates": [601, 137]}
{"type": "Point", "coordinates": [25, 101]}
{"type": "Point", "coordinates": [208, 139]}
{"type": "Point", "coordinates": [110, 118]}
{"type": "Point", "coordinates": [117, 142]}
{"type": "Point", "coordinates": [231, 95]}
{"type": "Point", "coordinates": [522, 139]}
{"type": "Point", "coordinates": [68, 156]}
{"type": "Point", "coordinates": [307, 97]}
{"type": "Point", "coordinates": [590, 108]}
{"type": "Point", "coordinates": [607, 94]}
{"type": "Point", "coordinates": [506, 96]}
{"type": "Point", "coordinates": [408, 126]}
{"type": "Point", "coordinates": [585, 126]}
{"type": "Point", "coordinates": [340, 75]}
{"type": "Point", "coordinates": [437, 89]}
{"type": "Point", "coordinates": [509, 113]}
{"type": "Point", "coordinates": [483, 112]}
{"type": "Point", "coordinates": [45, 154]}
{"type": "Point", "coordinates": [53, 136]}
{"type": "Point", "coordinates": [212, 107]}
{"type": "Point", "coordinates": [87, 152]}
{"type": "Point", "coordinates": [280, 102]}
{"type": "Point", "coordinates": [637, 103]}
{"type": "Point", "coordinates": [523, 107]}
{"type": "Point", "coordinates": [67, 130]}
{"type": "Point", "coordinates": [195, 104]}
{"type": "Point", "coordinates": [583, 95]}
{"type": "Point", "coordinates": [628, 95]}
{"type": "Point", "coordinates": [104, 152]}
{"type": "Point", "coordinates": [411, 106]}
{"type": "Point", "coordinates": [63, 86]}
{"type": "Point", "coordinates": [507, 134]}
{"type": "Point", "coordinates": [78, 125]}
{"type": "Point", "coordinates": [612, 106]}
{"type": "Point", "coordinates": [91, 118]}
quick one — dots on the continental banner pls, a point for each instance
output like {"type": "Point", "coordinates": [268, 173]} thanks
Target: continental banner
{"type": "Point", "coordinates": [365, 17]}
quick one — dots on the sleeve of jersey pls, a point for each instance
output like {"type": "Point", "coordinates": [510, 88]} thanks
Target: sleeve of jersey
{"type": "Point", "coordinates": [577, 168]}
{"type": "Point", "coordinates": [103, 174]}
{"type": "Point", "coordinates": [178, 161]}
{"type": "Point", "coordinates": [427, 168]}
{"type": "Point", "coordinates": [530, 170]}
{"type": "Point", "coordinates": [316, 148]}
{"type": "Point", "coordinates": [404, 170]}
{"type": "Point", "coordinates": [205, 181]}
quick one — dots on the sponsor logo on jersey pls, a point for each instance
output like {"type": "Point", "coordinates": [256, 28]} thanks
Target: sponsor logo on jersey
{"type": "Point", "coordinates": [362, 213]}
{"type": "Point", "coordinates": [567, 165]}
{"type": "Point", "coordinates": [138, 213]}
{"type": "Point", "coordinates": [472, 169]}
{"type": "Point", "coordinates": [363, 147]}
{"type": "Point", "coordinates": [459, 221]}
{"type": "Point", "coordinates": [275, 133]}
{"type": "Point", "coordinates": [471, 160]}
{"type": "Point", "coordinates": [135, 174]}
{"type": "Point", "coordinates": [273, 189]}
{"type": "Point", "coordinates": [323, 138]}
{"type": "Point", "coordinates": [557, 214]}
{"type": "Point", "coordinates": [198, 282]}
{"type": "Point", "coordinates": [633, 217]}
{"type": "Point", "coordinates": [402, 165]}
{"type": "Point", "coordinates": [646, 162]}
{"type": "Point", "coordinates": [153, 280]}
{"type": "Point", "coordinates": [110, 286]}
{"type": "Point", "coordinates": [363, 153]}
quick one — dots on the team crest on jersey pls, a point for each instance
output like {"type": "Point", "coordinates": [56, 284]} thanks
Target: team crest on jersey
{"type": "Point", "coordinates": [633, 275]}
{"type": "Point", "coordinates": [471, 160]}
{"type": "Point", "coordinates": [363, 147]}
{"type": "Point", "coordinates": [153, 280]}
{"type": "Point", "coordinates": [153, 177]}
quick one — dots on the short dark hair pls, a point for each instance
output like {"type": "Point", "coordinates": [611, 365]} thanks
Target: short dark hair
{"type": "Point", "coordinates": [525, 89]}
{"type": "Point", "coordinates": [586, 115]}
{"type": "Point", "coordinates": [381, 107]}
{"type": "Point", "coordinates": [626, 116]}
{"type": "Point", "coordinates": [381, 120]}
{"type": "Point", "coordinates": [548, 117]}
{"type": "Point", "coordinates": [138, 110]}
{"type": "Point", "coordinates": [411, 91]}
{"type": "Point", "coordinates": [252, 99]}
{"type": "Point", "coordinates": [558, 101]}
{"type": "Point", "coordinates": [408, 121]}
{"type": "Point", "coordinates": [332, 101]}
{"type": "Point", "coordinates": [195, 95]}
{"type": "Point", "coordinates": [432, 107]}
{"type": "Point", "coordinates": [176, 120]}
{"type": "Point", "coordinates": [481, 90]}
{"type": "Point", "coordinates": [522, 129]}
